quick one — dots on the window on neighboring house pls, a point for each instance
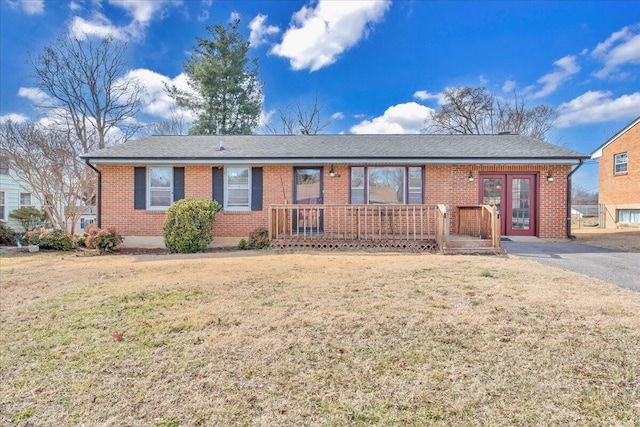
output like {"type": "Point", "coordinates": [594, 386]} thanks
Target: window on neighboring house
{"type": "Point", "coordinates": [386, 185]}
{"type": "Point", "coordinates": [620, 163]}
{"type": "Point", "coordinates": [25, 200]}
{"type": "Point", "coordinates": [160, 187]}
{"type": "Point", "coordinates": [3, 206]}
{"type": "Point", "coordinates": [85, 223]}
{"type": "Point", "coordinates": [237, 188]}
{"type": "Point", "coordinates": [629, 216]}
{"type": "Point", "coordinates": [4, 166]}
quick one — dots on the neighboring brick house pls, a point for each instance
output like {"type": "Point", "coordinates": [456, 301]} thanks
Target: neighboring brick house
{"type": "Point", "coordinates": [250, 175]}
{"type": "Point", "coordinates": [619, 170]}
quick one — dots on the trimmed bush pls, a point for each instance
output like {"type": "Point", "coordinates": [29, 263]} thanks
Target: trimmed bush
{"type": "Point", "coordinates": [30, 218]}
{"type": "Point", "coordinates": [259, 239]}
{"type": "Point", "coordinates": [188, 225]}
{"type": "Point", "coordinates": [7, 235]}
{"type": "Point", "coordinates": [103, 239]}
{"type": "Point", "coordinates": [56, 240]}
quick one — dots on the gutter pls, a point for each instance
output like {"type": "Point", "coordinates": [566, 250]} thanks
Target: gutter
{"type": "Point", "coordinates": [99, 198]}
{"type": "Point", "coordinates": [569, 235]}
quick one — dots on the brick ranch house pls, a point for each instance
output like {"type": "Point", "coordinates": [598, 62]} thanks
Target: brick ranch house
{"type": "Point", "coordinates": [619, 176]}
{"type": "Point", "coordinates": [341, 190]}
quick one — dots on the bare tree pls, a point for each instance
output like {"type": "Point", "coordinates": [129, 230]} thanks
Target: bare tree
{"type": "Point", "coordinates": [298, 120]}
{"type": "Point", "coordinates": [175, 125]}
{"type": "Point", "coordinates": [88, 91]}
{"type": "Point", "coordinates": [47, 159]}
{"type": "Point", "coordinates": [468, 110]}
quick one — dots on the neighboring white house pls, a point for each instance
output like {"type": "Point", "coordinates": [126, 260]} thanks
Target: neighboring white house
{"type": "Point", "coordinates": [14, 194]}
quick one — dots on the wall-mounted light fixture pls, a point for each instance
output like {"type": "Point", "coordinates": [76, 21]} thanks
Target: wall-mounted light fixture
{"type": "Point", "coordinates": [549, 176]}
{"type": "Point", "coordinates": [470, 176]}
{"type": "Point", "coordinates": [333, 174]}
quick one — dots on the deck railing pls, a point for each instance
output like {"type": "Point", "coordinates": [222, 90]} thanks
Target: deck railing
{"type": "Point", "coordinates": [480, 221]}
{"type": "Point", "coordinates": [392, 224]}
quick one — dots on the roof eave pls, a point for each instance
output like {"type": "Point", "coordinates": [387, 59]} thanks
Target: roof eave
{"type": "Point", "coordinates": [340, 160]}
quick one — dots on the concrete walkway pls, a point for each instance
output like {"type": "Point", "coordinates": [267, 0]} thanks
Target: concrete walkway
{"type": "Point", "coordinates": [619, 268]}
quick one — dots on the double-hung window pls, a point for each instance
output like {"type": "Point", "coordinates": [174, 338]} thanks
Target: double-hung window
{"type": "Point", "coordinates": [3, 206]}
{"type": "Point", "coordinates": [25, 200]}
{"type": "Point", "coordinates": [386, 185]}
{"type": "Point", "coordinates": [620, 163]}
{"type": "Point", "coordinates": [237, 188]}
{"type": "Point", "coordinates": [160, 187]}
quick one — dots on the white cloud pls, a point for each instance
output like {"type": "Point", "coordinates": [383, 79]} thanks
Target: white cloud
{"type": "Point", "coordinates": [423, 95]}
{"type": "Point", "coordinates": [483, 80]}
{"type": "Point", "coordinates": [156, 102]}
{"type": "Point", "coordinates": [141, 12]}
{"type": "Point", "coordinates": [35, 95]}
{"type": "Point", "coordinates": [260, 31]}
{"type": "Point", "coordinates": [622, 47]}
{"type": "Point", "coordinates": [566, 67]}
{"type": "Point", "coordinates": [234, 16]}
{"type": "Point", "coordinates": [509, 86]}
{"type": "Point", "coordinates": [402, 118]}
{"type": "Point", "coordinates": [317, 36]}
{"type": "Point", "coordinates": [14, 117]}
{"type": "Point", "coordinates": [596, 107]}
{"type": "Point", "coordinates": [98, 26]}
{"type": "Point", "coordinates": [30, 7]}
{"type": "Point", "coordinates": [337, 115]}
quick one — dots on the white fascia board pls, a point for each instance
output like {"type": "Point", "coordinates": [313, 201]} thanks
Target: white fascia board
{"type": "Point", "coordinates": [598, 153]}
{"type": "Point", "coordinates": [338, 161]}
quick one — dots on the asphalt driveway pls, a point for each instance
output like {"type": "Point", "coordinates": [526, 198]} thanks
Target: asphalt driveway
{"type": "Point", "coordinates": [619, 268]}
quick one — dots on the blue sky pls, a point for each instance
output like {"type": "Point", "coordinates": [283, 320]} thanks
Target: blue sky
{"type": "Point", "coordinates": [377, 67]}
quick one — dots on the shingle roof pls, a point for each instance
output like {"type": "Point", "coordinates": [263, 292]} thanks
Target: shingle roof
{"type": "Point", "coordinates": [336, 148]}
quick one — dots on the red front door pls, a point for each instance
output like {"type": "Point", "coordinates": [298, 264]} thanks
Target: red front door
{"type": "Point", "coordinates": [516, 198]}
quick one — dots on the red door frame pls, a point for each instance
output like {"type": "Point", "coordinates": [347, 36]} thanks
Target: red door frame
{"type": "Point", "coordinates": [506, 225]}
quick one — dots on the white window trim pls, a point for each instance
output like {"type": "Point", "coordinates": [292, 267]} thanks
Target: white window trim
{"type": "Point", "coordinates": [3, 208]}
{"type": "Point", "coordinates": [407, 190]}
{"type": "Point", "coordinates": [616, 163]}
{"type": "Point", "coordinates": [30, 205]}
{"type": "Point", "coordinates": [226, 190]}
{"type": "Point", "coordinates": [148, 189]}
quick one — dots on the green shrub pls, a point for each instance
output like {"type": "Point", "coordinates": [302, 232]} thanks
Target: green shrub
{"type": "Point", "coordinates": [80, 240]}
{"type": "Point", "coordinates": [242, 244]}
{"type": "Point", "coordinates": [7, 235]}
{"type": "Point", "coordinates": [259, 239]}
{"type": "Point", "coordinates": [30, 218]}
{"type": "Point", "coordinates": [188, 225]}
{"type": "Point", "coordinates": [56, 240]}
{"type": "Point", "coordinates": [103, 239]}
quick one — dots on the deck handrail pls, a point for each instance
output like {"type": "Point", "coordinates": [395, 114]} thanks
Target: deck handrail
{"type": "Point", "coordinates": [481, 221]}
{"type": "Point", "coordinates": [352, 222]}
{"type": "Point", "coordinates": [443, 226]}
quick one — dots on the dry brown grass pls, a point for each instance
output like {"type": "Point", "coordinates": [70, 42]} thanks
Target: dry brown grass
{"type": "Point", "coordinates": [313, 339]}
{"type": "Point", "coordinates": [622, 239]}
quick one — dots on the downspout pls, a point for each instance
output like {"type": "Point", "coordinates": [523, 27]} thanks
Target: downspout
{"type": "Point", "coordinates": [99, 201]}
{"type": "Point", "coordinates": [569, 235]}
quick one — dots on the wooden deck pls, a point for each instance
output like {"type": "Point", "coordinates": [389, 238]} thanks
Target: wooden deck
{"type": "Point", "coordinates": [405, 227]}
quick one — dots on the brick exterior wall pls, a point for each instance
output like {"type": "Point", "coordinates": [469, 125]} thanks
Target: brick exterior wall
{"type": "Point", "coordinates": [622, 190]}
{"type": "Point", "coordinates": [443, 184]}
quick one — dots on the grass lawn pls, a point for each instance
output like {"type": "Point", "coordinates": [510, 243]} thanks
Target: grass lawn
{"type": "Point", "coordinates": [334, 338]}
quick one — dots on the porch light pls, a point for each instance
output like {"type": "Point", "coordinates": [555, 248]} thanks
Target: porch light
{"type": "Point", "coordinates": [549, 176]}
{"type": "Point", "coordinates": [470, 176]}
{"type": "Point", "coordinates": [333, 174]}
